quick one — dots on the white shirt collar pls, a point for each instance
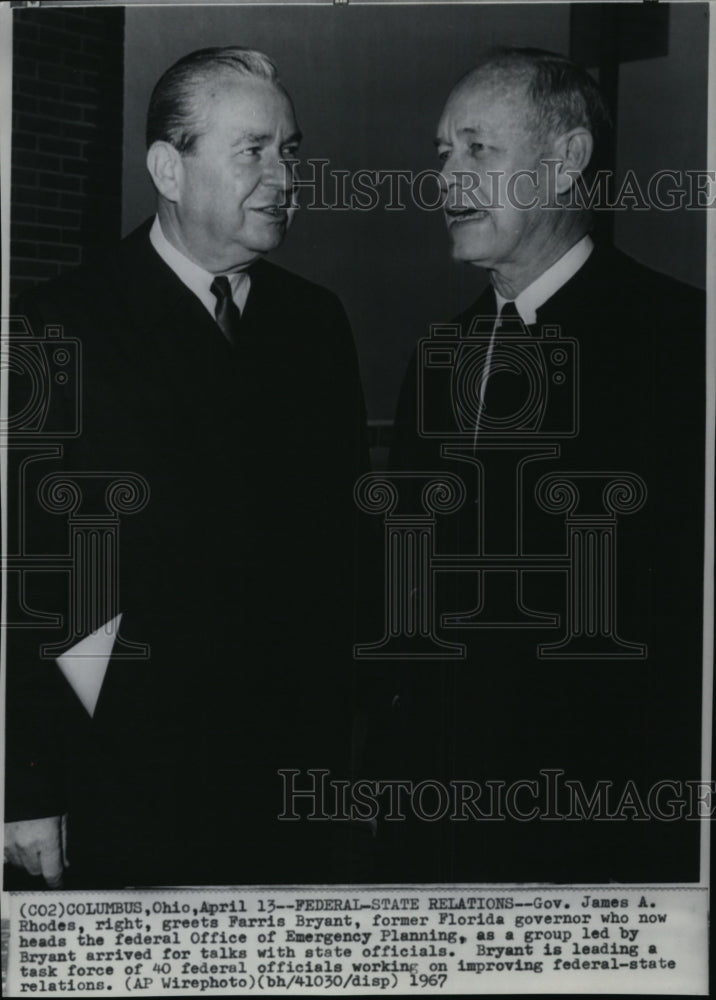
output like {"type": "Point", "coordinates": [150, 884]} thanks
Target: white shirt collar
{"type": "Point", "coordinates": [196, 279]}
{"type": "Point", "coordinates": [550, 281]}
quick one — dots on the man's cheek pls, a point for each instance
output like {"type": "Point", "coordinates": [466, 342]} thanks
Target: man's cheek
{"type": "Point", "coordinates": [248, 188]}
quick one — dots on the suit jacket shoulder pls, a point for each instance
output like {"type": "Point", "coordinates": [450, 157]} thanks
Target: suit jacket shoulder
{"type": "Point", "coordinates": [281, 278]}
{"type": "Point", "coordinates": [297, 305]}
{"type": "Point", "coordinates": [633, 324]}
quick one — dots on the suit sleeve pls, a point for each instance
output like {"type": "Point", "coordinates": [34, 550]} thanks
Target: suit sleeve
{"type": "Point", "coordinates": [410, 451]}
{"type": "Point", "coordinates": [404, 444]}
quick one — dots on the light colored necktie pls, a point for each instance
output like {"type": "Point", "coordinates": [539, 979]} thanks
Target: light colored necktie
{"type": "Point", "coordinates": [507, 313]}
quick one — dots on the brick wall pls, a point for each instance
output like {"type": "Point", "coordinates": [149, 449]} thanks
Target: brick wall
{"type": "Point", "coordinates": [67, 138]}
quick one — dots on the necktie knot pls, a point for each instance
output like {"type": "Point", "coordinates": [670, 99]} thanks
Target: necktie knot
{"type": "Point", "coordinates": [226, 312]}
{"type": "Point", "coordinates": [221, 287]}
{"type": "Point", "coordinates": [508, 312]}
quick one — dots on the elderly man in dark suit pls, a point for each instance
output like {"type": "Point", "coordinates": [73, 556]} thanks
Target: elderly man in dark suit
{"type": "Point", "coordinates": [227, 388]}
{"type": "Point", "coordinates": [570, 400]}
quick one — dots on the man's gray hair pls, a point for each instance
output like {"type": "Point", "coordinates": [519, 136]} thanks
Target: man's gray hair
{"type": "Point", "coordinates": [174, 114]}
{"type": "Point", "coordinates": [563, 95]}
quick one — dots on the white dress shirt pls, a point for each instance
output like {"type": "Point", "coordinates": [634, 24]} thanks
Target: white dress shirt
{"type": "Point", "coordinates": [531, 298]}
{"type": "Point", "coordinates": [196, 279]}
{"type": "Point", "coordinates": [550, 281]}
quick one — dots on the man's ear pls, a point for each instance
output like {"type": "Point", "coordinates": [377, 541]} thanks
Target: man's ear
{"type": "Point", "coordinates": [574, 151]}
{"type": "Point", "coordinates": [165, 167]}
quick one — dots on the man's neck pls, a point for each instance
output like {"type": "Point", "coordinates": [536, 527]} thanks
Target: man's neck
{"type": "Point", "coordinates": [532, 298]}
{"type": "Point", "coordinates": [204, 259]}
{"type": "Point", "coordinates": [510, 280]}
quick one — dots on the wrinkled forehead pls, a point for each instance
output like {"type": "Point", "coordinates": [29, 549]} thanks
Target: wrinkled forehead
{"type": "Point", "coordinates": [491, 100]}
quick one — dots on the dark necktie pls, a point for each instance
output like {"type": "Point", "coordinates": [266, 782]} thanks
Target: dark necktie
{"type": "Point", "coordinates": [508, 312]}
{"type": "Point", "coordinates": [227, 313]}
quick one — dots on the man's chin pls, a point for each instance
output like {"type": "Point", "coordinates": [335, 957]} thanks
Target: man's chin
{"type": "Point", "coordinates": [469, 240]}
{"type": "Point", "coordinates": [260, 247]}
{"type": "Point", "coordinates": [270, 239]}
{"type": "Point", "coordinates": [469, 254]}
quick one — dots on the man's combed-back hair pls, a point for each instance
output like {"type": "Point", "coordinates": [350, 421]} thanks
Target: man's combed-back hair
{"type": "Point", "coordinates": [564, 96]}
{"type": "Point", "coordinates": [174, 113]}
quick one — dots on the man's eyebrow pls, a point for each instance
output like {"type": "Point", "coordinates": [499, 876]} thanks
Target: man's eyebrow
{"type": "Point", "coordinates": [263, 138]}
{"type": "Point", "coordinates": [468, 131]}
{"type": "Point", "coordinates": [251, 137]}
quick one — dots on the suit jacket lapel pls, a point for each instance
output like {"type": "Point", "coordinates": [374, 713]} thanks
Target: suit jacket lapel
{"type": "Point", "coordinates": [484, 305]}
{"type": "Point", "coordinates": [169, 329]}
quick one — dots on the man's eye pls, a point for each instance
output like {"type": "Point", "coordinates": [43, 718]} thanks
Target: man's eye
{"type": "Point", "coordinates": [443, 154]}
{"type": "Point", "coordinates": [289, 152]}
{"type": "Point", "coordinates": [251, 151]}
{"type": "Point", "coordinates": [476, 147]}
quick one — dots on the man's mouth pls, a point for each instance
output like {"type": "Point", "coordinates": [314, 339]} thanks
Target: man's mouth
{"type": "Point", "coordinates": [274, 212]}
{"type": "Point", "coordinates": [455, 216]}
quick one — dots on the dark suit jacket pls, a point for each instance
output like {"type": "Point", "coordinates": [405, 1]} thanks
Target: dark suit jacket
{"type": "Point", "coordinates": [504, 713]}
{"type": "Point", "coordinates": [238, 572]}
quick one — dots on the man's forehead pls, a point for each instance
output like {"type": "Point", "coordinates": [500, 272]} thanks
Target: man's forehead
{"type": "Point", "coordinates": [497, 102]}
{"type": "Point", "coordinates": [229, 90]}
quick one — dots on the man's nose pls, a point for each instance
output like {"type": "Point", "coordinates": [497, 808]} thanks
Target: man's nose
{"type": "Point", "coordinates": [460, 187]}
{"type": "Point", "coordinates": [451, 164]}
{"type": "Point", "coordinates": [444, 180]}
{"type": "Point", "coordinates": [451, 177]}
{"type": "Point", "coordinates": [280, 172]}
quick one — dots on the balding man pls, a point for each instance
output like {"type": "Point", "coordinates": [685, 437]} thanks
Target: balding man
{"type": "Point", "coordinates": [228, 388]}
{"type": "Point", "coordinates": [579, 364]}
